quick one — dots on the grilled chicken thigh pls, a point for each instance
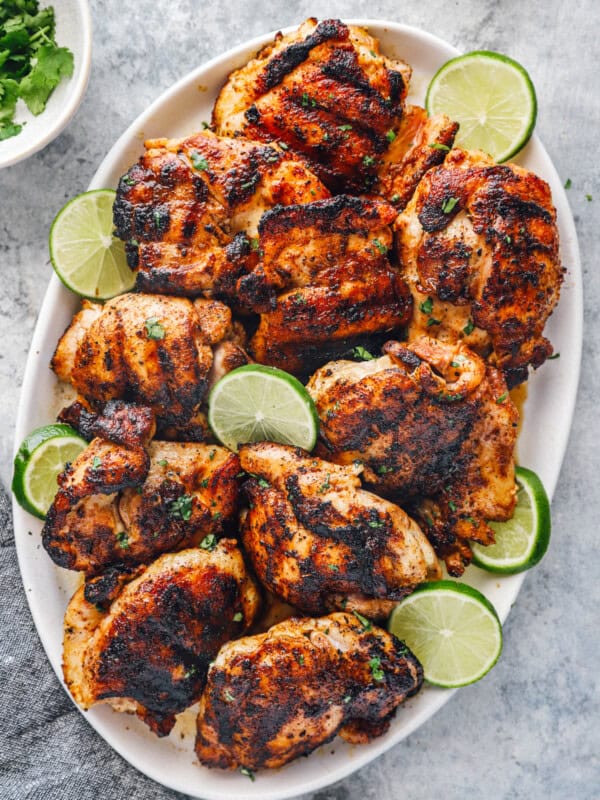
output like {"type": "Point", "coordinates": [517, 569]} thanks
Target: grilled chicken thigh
{"type": "Point", "coordinates": [147, 646]}
{"type": "Point", "coordinates": [421, 142]}
{"type": "Point", "coordinates": [320, 542]}
{"type": "Point", "coordinates": [478, 245]}
{"type": "Point", "coordinates": [279, 695]}
{"type": "Point", "coordinates": [188, 206]}
{"type": "Point", "coordinates": [428, 420]}
{"type": "Point", "coordinates": [128, 504]}
{"type": "Point", "coordinates": [160, 351]}
{"type": "Point", "coordinates": [327, 92]}
{"type": "Point", "coordinates": [324, 281]}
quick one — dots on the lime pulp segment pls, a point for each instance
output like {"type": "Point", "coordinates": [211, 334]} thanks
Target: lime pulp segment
{"type": "Point", "coordinates": [453, 631]}
{"type": "Point", "coordinates": [256, 403]}
{"type": "Point", "coordinates": [493, 99]}
{"type": "Point", "coordinates": [86, 256]}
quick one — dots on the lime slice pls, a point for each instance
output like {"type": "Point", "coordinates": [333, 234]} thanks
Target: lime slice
{"type": "Point", "coordinates": [491, 96]}
{"type": "Point", "coordinates": [452, 629]}
{"type": "Point", "coordinates": [85, 255]}
{"type": "Point", "coordinates": [521, 541]}
{"type": "Point", "coordinates": [257, 404]}
{"type": "Point", "coordinates": [38, 462]}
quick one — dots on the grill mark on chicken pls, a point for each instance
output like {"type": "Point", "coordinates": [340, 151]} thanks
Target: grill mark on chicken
{"type": "Point", "coordinates": [319, 669]}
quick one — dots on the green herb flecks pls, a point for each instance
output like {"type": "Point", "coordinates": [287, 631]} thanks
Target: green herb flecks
{"type": "Point", "coordinates": [154, 329]}
{"type": "Point", "coordinates": [198, 161]}
{"type": "Point", "coordinates": [376, 670]}
{"type": "Point", "coordinates": [209, 542]}
{"type": "Point", "coordinates": [366, 623]}
{"type": "Point", "coordinates": [122, 540]}
{"type": "Point", "coordinates": [469, 327]}
{"type": "Point", "coordinates": [426, 306]}
{"type": "Point", "coordinates": [438, 146]}
{"type": "Point", "coordinates": [181, 508]}
{"type": "Point", "coordinates": [380, 246]}
{"type": "Point", "coordinates": [449, 204]}
{"type": "Point", "coordinates": [390, 136]}
{"type": "Point", "coordinates": [360, 352]}
{"type": "Point", "coordinates": [248, 773]}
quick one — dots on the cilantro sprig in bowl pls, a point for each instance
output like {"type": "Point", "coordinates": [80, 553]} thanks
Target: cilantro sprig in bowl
{"type": "Point", "coordinates": [45, 53]}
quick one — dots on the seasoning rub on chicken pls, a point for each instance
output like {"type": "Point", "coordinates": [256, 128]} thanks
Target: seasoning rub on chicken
{"type": "Point", "coordinates": [279, 695]}
{"type": "Point", "coordinates": [427, 420]}
{"type": "Point", "coordinates": [325, 91]}
{"type": "Point", "coordinates": [188, 209]}
{"type": "Point", "coordinates": [143, 641]}
{"type": "Point", "coordinates": [317, 540]}
{"type": "Point", "coordinates": [128, 502]}
{"type": "Point", "coordinates": [478, 246]}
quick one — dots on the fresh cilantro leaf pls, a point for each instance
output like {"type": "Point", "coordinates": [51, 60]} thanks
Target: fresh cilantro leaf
{"type": "Point", "coordinates": [53, 64]}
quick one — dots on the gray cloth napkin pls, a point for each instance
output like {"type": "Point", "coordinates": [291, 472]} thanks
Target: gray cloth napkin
{"type": "Point", "coordinates": [47, 749]}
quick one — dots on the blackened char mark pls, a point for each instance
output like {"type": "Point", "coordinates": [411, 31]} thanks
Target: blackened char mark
{"type": "Point", "coordinates": [287, 60]}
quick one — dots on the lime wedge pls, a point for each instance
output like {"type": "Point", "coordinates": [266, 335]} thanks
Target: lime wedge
{"type": "Point", "coordinates": [257, 404]}
{"type": "Point", "coordinates": [493, 99]}
{"type": "Point", "coordinates": [452, 629]}
{"type": "Point", "coordinates": [85, 255]}
{"type": "Point", "coordinates": [41, 457]}
{"type": "Point", "coordinates": [521, 541]}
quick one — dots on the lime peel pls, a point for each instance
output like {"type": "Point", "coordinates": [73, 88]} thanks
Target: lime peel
{"type": "Point", "coordinates": [258, 403]}
{"type": "Point", "coordinates": [452, 629]}
{"type": "Point", "coordinates": [491, 96]}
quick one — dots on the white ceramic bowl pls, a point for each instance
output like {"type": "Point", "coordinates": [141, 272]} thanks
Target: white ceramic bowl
{"type": "Point", "coordinates": [73, 30]}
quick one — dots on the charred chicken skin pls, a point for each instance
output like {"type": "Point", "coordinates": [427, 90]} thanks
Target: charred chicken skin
{"type": "Point", "coordinates": [128, 504]}
{"type": "Point", "coordinates": [146, 646]}
{"type": "Point", "coordinates": [328, 676]}
{"type": "Point", "coordinates": [186, 210]}
{"type": "Point", "coordinates": [317, 540]}
{"type": "Point", "coordinates": [324, 90]}
{"type": "Point", "coordinates": [159, 351]}
{"type": "Point", "coordinates": [478, 246]}
{"type": "Point", "coordinates": [324, 282]}
{"type": "Point", "coordinates": [420, 143]}
{"type": "Point", "coordinates": [428, 420]}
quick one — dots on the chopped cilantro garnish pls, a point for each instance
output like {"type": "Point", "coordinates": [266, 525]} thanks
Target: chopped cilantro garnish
{"type": "Point", "coordinates": [366, 623]}
{"type": "Point", "coordinates": [248, 773]}
{"type": "Point", "coordinates": [360, 352]}
{"type": "Point", "coordinates": [469, 327]}
{"type": "Point", "coordinates": [368, 161]}
{"type": "Point", "coordinates": [122, 540]}
{"type": "Point", "coordinates": [433, 321]}
{"type": "Point", "coordinates": [426, 306]}
{"type": "Point", "coordinates": [376, 671]}
{"type": "Point", "coordinates": [181, 508]}
{"type": "Point", "coordinates": [381, 247]}
{"type": "Point", "coordinates": [154, 329]}
{"type": "Point", "coordinates": [345, 127]}
{"type": "Point", "coordinates": [390, 135]}
{"type": "Point", "coordinates": [568, 183]}
{"type": "Point", "coordinates": [502, 398]}
{"type": "Point", "coordinates": [449, 204]}
{"type": "Point", "coordinates": [238, 616]}
{"type": "Point", "coordinates": [209, 542]}
{"type": "Point", "coordinates": [325, 485]}
{"type": "Point", "coordinates": [96, 463]}
{"type": "Point", "coordinates": [394, 198]}
{"type": "Point", "coordinates": [198, 161]}
{"type": "Point", "coordinates": [438, 146]}
{"type": "Point", "coordinates": [228, 696]}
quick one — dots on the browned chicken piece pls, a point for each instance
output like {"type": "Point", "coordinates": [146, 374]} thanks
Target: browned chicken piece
{"type": "Point", "coordinates": [428, 420]}
{"type": "Point", "coordinates": [478, 245]}
{"type": "Point", "coordinates": [163, 352]}
{"type": "Point", "coordinates": [128, 503]}
{"type": "Point", "coordinates": [420, 143]}
{"type": "Point", "coordinates": [326, 92]}
{"type": "Point", "coordinates": [319, 541]}
{"type": "Point", "coordinates": [145, 645]}
{"type": "Point", "coordinates": [274, 697]}
{"type": "Point", "coordinates": [329, 263]}
{"type": "Point", "coordinates": [189, 207]}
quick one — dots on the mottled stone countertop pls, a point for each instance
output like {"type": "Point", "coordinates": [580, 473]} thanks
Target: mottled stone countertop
{"type": "Point", "coordinates": [530, 729]}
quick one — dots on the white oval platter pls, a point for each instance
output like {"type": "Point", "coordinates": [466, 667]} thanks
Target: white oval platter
{"type": "Point", "coordinates": [548, 413]}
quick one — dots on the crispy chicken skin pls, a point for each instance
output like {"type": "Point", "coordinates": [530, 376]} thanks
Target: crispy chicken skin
{"type": "Point", "coordinates": [327, 92]}
{"type": "Point", "coordinates": [324, 282]}
{"type": "Point", "coordinates": [317, 540]}
{"type": "Point", "coordinates": [150, 649]}
{"type": "Point", "coordinates": [428, 420]}
{"type": "Point", "coordinates": [188, 206]}
{"type": "Point", "coordinates": [274, 697]}
{"type": "Point", "coordinates": [478, 245]}
{"type": "Point", "coordinates": [128, 504]}
{"type": "Point", "coordinates": [150, 349]}
{"type": "Point", "coordinates": [421, 142]}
